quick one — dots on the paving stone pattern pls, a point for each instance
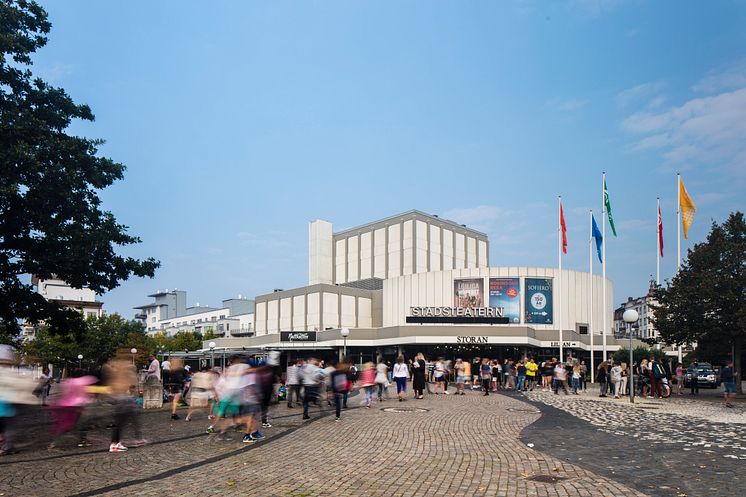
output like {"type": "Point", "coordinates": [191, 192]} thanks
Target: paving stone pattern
{"type": "Point", "coordinates": [461, 446]}
{"type": "Point", "coordinates": [653, 445]}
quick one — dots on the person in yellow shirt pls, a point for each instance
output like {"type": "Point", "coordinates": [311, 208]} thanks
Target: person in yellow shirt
{"type": "Point", "coordinates": [531, 369]}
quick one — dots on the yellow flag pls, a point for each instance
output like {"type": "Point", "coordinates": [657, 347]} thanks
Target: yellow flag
{"type": "Point", "coordinates": [687, 208]}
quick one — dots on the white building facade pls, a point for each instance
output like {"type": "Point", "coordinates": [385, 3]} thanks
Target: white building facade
{"type": "Point", "coordinates": [416, 282]}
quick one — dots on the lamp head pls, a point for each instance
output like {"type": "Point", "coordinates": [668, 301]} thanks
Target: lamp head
{"type": "Point", "coordinates": [630, 316]}
{"type": "Point", "coordinates": [133, 350]}
{"type": "Point", "coordinates": [212, 345]}
{"type": "Point", "coordinates": [80, 356]}
{"type": "Point", "coordinates": [345, 332]}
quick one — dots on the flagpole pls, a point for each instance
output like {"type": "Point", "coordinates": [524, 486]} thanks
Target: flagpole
{"type": "Point", "coordinates": [590, 289]}
{"type": "Point", "coordinates": [603, 263]}
{"type": "Point", "coordinates": [658, 243]}
{"type": "Point", "coordinates": [678, 235]}
{"type": "Point", "coordinates": [559, 256]}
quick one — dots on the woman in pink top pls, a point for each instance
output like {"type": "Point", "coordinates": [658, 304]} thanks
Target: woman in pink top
{"type": "Point", "coordinates": [679, 379]}
{"type": "Point", "coordinates": [68, 409]}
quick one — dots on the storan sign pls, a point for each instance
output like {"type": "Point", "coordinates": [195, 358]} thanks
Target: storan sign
{"type": "Point", "coordinates": [469, 339]}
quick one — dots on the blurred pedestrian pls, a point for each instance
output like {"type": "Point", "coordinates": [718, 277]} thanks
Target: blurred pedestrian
{"type": "Point", "coordinates": [382, 379]}
{"type": "Point", "coordinates": [293, 382]}
{"type": "Point", "coordinates": [119, 375]}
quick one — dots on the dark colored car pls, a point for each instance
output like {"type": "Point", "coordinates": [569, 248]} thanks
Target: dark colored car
{"type": "Point", "coordinates": [706, 375]}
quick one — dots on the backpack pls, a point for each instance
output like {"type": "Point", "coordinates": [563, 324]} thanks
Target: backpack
{"type": "Point", "coordinates": [658, 371]}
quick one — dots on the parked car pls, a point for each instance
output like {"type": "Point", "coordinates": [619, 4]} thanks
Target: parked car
{"type": "Point", "coordinates": [706, 375]}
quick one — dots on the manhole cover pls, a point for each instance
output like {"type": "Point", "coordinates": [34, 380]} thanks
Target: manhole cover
{"type": "Point", "coordinates": [513, 409]}
{"type": "Point", "coordinates": [546, 478]}
{"type": "Point", "coordinates": [404, 409]}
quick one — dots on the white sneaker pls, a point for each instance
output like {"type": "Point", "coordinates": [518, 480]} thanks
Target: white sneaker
{"type": "Point", "coordinates": [448, 393]}
{"type": "Point", "coordinates": [117, 447]}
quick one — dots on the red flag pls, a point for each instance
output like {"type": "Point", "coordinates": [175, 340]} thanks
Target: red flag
{"type": "Point", "coordinates": [564, 230]}
{"type": "Point", "coordinates": [660, 231]}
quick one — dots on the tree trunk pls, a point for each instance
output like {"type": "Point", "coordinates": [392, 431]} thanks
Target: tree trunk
{"type": "Point", "coordinates": [737, 362]}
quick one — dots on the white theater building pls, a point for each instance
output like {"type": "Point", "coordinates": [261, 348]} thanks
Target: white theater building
{"type": "Point", "coordinates": [417, 283]}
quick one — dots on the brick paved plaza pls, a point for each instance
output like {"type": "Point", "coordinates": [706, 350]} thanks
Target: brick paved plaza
{"type": "Point", "coordinates": [461, 445]}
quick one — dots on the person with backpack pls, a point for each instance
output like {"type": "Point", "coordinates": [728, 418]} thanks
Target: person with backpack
{"type": "Point", "coordinates": [485, 373]}
{"type": "Point", "coordinates": [657, 373]}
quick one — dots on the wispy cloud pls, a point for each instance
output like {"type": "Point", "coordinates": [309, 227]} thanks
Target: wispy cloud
{"type": "Point", "coordinates": [481, 217]}
{"type": "Point", "coordinates": [261, 241]}
{"type": "Point", "coordinates": [639, 92]}
{"type": "Point", "coordinates": [706, 129]}
{"type": "Point", "coordinates": [566, 105]}
{"type": "Point", "coordinates": [593, 8]}
{"type": "Point", "coordinates": [731, 77]}
{"type": "Point", "coordinates": [54, 74]}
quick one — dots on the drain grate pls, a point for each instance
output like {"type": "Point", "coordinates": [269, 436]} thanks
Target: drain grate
{"type": "Point", "coordinates": [650, 408]}
{"type": "Point", "coordinates": [546, 478]}
{"type": "Point", "coordinates": [404, 409]}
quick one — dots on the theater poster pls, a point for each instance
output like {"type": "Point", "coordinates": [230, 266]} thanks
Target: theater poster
{"type": "Point", "coordinates": [506, 293]}
{"type": "Point", "coordinates": [538, 301]}
{"type": "Point", "coordinates": [468, 292]}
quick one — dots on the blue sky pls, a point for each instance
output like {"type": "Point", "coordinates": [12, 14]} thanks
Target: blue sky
{"type": "Point", "coordinates": [239, 122]}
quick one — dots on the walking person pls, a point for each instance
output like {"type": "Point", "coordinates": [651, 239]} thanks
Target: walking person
{"type": "Point", "coordinates": [575, 377]}
{"type": "Point", "coordinates": [601, 378]}
{"type": "Point", "coordinates": [531, 371]}
{"type": "Point", "coordinates": [202, 389]}
{"type": "Point", "coordinates": [497, 375]}
{"type": "Point", "coordinates": [293, 382]}
{"type": "Point", "coordinates": [679, 379]}
{"type": "Point", "coordinates": [400, 375]}
{"type": "Point", "coordinates": [176, 378]}
{"type": "Point", "coordinates": [119, 375]}
{"type": "Point", "coordinates": [521, 376]}
{"type": "Point", "coordinates": [311, 379]}
{"type": "Point", "coordinates": [625, 380]}
{"type": "Point", "coordinates": [486, 375]}
{"type": "Point", "coordinates": [460, 377]}
{"type": "Point", "coordinates": [616, 378]}
{"type": "Point", "coordinates": [341, 386]}
{"type": "Point", "coordinates": [583, 376]}
{"type": "Point", "coordinates": [367, 382]}
{"type": "Point", "coordinates": [657, 374]}
{"type": "Point", "coordinates": [45, 385]}
{"type": "Point", "coordinates": [728, 376]}
{"type": "Point", "coordinates": [439, 373]}
{"type": "Point", "coordinates": [560, 378]}
{"type": "Point", "coordinates": [382, 379]}
{"type": "Point", "coordinates": [418, 376]}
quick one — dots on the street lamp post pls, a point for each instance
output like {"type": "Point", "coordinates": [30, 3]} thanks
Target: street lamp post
{"type": "Point", "coordinates": [80, 361]}
{"type": "Point", "coordinates": [630, 316]}
{"type": "Point", "coordinates": [345, 332]}
{"type": "Point", "coordinates": [133, 351]}
{"type": "Point", "coordinates": [212, 354]}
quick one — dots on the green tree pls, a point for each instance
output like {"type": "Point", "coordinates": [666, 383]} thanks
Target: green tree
{"type": "Point", "coordinates": [706, 301]}
{"type": "Point", "coordinates": [638, 354]}
{"type": "Point", "coordinates": [98, 341]}
{"type": "Point", "coordinates": [51, 220]}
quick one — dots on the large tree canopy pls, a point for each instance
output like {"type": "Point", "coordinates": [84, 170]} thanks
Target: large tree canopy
{"type": "Point", "coordinates": [706, 301]}
{"type": "Point", "coordinates": [51, 220]}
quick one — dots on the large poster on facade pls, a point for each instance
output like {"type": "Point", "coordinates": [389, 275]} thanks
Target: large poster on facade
{"type": "Point", "coordinates": [506, 293]}
{"type": "Point", "coordinates": [468, 292]}
{"type": "Point", "coordinates": [538, 301]}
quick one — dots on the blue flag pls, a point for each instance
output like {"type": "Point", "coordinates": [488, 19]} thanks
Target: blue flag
{"type": "Point", "coordinates": [599, 238]}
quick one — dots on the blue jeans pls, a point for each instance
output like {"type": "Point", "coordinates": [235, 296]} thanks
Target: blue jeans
{"type": "Point", "coordinates": [602, 387]}
{"type": "Point", "coordinates": [519, 384]}
{"type": "Point", "coordinates": [575, 384]}
{"type": "Point", "coordinates": [309, 396]}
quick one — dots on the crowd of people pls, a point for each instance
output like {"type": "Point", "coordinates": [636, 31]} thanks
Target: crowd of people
{"type": "Point", "coordinates": [237, 397]}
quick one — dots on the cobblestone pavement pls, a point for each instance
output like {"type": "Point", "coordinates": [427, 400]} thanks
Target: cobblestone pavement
{"type": "Point", "coordinates": [462, 445]}
{"type": "Point", "coordinates": [667, 447]}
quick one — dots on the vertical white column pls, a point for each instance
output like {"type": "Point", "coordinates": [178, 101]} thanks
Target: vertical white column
{"type": "Point", "coordinates": [658, 243]}
{"type": "Point", "coordinates": [604, 311]}
{"type": "Point", "coordinates": [590, 290]}
{"type": "Point", "coordinates": [559, 256]}
{"type": "Point", "coordinates": [678, 235]}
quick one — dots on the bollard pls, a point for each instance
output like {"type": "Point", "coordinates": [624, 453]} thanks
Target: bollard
{"type": "Point", "coordinates": [152, 396]}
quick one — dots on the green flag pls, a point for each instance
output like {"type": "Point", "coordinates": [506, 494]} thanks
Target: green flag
{"type": "Point", "coordinates": [608, 208]}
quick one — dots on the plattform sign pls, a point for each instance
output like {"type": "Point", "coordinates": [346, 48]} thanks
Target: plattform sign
{"type": "Point", "coordinates": [459, 315]}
